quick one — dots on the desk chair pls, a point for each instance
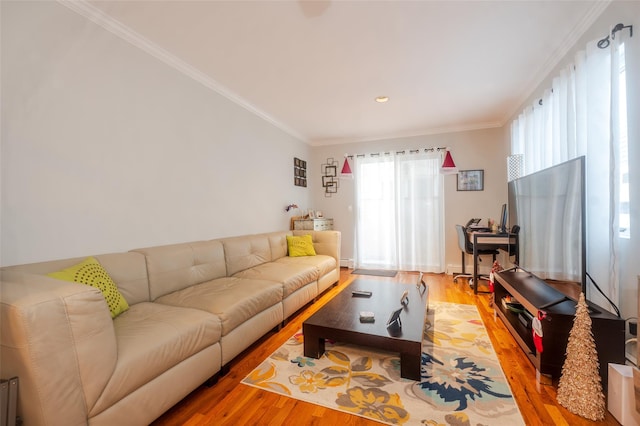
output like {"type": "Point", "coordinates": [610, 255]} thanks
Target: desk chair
{"type": "Point", "coordinates": [466, 247]}
{"type": "Point", "coordinates": [513, 249]}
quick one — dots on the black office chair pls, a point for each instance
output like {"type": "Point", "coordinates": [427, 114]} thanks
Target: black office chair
{"type": "Point", "coordinates": [466, 247]}
{"type": "Point", "coordinates": [513, 249]}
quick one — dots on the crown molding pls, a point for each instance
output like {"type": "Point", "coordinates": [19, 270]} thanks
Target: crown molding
{"type": "Point", "coordinates": [558, 54]}
{"type": "Point", "coordinates": [95, 15]}
{"type": "Point", "coordinates": [409, 134]}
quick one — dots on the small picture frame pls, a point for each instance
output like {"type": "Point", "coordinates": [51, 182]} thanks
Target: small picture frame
{"type": "Point", "coordinates": [470, 180]}
{"type": "Point", "coordinates": [312, 214]}
{"type": "Point", "coordinates": [326, 181]}
{"type": "Point", "coordinates": [331, 171]}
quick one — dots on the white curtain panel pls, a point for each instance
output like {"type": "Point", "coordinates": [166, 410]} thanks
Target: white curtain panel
{"type": "Point", "coordinates": [580, 115]}
{"type": "Point", "coordinates": [399, 212]}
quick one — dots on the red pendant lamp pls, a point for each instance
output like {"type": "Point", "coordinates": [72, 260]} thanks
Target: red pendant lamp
{"type": "Point", "coordinates": [346, 168]}
{"type": "Point", "coordinates": [448, 166]}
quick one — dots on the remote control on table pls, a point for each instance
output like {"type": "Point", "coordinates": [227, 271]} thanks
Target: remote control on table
{"type": "Point", "coordinates": [360, 293]}
{"type": "Point", "coordinates": [366, 316]}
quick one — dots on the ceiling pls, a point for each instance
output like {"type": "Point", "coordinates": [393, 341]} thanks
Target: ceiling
{"type": "Point", "coordinates": [313, 68]}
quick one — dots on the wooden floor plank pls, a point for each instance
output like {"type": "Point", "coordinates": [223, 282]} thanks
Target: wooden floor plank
{"type": "Point", "coordinates": [231, 403]}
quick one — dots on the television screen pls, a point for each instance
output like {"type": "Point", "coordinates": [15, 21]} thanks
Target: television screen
{"type": "Point", "coordinates": [549, 207]}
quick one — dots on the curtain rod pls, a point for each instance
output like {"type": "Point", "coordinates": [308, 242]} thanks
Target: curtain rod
{"type": "Point", "coordinates": [604, 43]}
{"type": "Point", "coordinates": [403, 151]}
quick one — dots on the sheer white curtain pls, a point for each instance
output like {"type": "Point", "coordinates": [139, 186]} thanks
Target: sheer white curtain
{"type": "Point", "coordinates": [580, 116]}
{"type": "Point", "coordinates": [399, 212]}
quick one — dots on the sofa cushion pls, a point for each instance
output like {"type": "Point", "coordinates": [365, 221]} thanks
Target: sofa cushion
{"type": "Point", "coordinates": [246, 252]}
{"type": "Point", "coordinates": [177, 266]}
{"type": "Point", "coordinates": [291, 276]}
{"type": "Point", "coordinates": [324, 242]}
{"type": "Point", "coordinates": [278, 244]}
{"type": "Point", "coordinates": [232, 299]}
{"type": "Point", "coordinates": [152, 338]}
{"type": "Point", "coordinates": [301, 245]}
{"type": "Point", "coordinates": [90, 272]}
{"type": "Point", "coordinates": [128, 271]}
{"type": "Point", "coordinates": [323, 263]}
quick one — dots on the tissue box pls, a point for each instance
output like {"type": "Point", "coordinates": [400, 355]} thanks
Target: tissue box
{"type": "Point", "coordinates": [621, 398]}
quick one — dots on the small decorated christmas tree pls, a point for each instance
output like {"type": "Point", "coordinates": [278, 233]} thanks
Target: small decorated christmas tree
{"type": "Point", "coordinates": [580, 389]}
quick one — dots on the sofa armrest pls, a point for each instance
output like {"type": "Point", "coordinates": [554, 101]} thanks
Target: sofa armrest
{"type": "Point", "coordinates": [58, 338]}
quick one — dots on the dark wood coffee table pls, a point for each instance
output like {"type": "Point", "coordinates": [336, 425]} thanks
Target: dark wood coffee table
{"type": "Point", "coordinates": [339, 320]}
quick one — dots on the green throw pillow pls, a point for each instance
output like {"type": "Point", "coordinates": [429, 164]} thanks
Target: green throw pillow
{"type": "Point", "coordinates": [91, 272]}
{"type": "Point", "coordinates": [300, 246]}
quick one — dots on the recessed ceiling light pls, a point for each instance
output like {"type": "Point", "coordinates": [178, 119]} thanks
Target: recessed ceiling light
{"type": "Point", "coordinates": [382, 99]}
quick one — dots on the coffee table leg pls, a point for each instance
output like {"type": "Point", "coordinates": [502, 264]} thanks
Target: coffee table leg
{"type": "Point", "coordinates": [410, 366]}
{"type": "Point", "coordinates": [313, 343]}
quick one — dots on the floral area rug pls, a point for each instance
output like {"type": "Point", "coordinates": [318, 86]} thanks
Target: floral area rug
{"type": "Point", "coordinates": [462, 381]}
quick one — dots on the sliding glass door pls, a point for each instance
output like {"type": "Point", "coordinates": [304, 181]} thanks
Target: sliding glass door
{"type": "Point", "coordinates": [399, 212]}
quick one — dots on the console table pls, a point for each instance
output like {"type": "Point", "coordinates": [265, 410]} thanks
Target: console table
{"type": "Point", "coordinates": [536, 295]}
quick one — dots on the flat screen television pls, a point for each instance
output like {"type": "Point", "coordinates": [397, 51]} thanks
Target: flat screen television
{"type": "Point", "coordinates": [549, 208]}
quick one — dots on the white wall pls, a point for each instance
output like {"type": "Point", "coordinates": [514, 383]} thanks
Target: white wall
{"type": "Point", "coordinates": [105, 148]}
{"type": "Point", "coordinates": [480, 149]}
{"type": "Point", "coordinates": [627, 12]}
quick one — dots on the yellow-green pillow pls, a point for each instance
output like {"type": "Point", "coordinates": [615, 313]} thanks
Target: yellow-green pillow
{"type": "Point", "coordinates": [300, 245]}
{"type": "Point", "coordinates": [91, 272]}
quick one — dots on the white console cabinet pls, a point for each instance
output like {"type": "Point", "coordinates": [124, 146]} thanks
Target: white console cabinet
{"type": "Point", "coordinates": [313, 224]}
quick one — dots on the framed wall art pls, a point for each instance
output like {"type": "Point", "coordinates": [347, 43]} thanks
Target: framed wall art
{"type": "Point", "coordinates": [471, 180]}
{"type": "Point", "coordinates": [299, 172]}
{"type": "Point", "coordinates": [330, 180]}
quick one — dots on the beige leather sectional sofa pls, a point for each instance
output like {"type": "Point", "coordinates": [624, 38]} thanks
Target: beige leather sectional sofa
{"type": "Point", "coordinates": [193, 307]}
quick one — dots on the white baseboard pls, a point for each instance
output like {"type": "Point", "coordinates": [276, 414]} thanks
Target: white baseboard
{"type": "Point", "coordinates": [631, 349]}
{"type": "Point", "coordinates": [346, 263]}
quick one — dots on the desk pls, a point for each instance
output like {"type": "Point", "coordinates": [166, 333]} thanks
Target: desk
{"type": "Point", "coordinates": [491, 241]}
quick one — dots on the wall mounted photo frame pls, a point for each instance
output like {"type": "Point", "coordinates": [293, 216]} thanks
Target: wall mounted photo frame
{"type": "Point", "coordinates": [331, 188]}
{"type": "Point", "coordinates": [471, 180]}
{"type": "Point", "coordinates": [299, 172]}
{"type": "Point", "coordinates": [330, 180]}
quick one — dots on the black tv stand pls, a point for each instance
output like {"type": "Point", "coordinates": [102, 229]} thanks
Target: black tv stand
{"type": "Point", "coordinates": [536, 295]}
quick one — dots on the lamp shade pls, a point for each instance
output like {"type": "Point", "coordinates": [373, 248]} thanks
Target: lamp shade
{"type": "Point", "coordinates": [448, 166]}
{"type": "Point", "coordinates": [346, 168]}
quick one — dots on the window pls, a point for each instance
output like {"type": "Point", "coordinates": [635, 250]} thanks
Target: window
{"type": "Point", "coordinates": [399, 212]}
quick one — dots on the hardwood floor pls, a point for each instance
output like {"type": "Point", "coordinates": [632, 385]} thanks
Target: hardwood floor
{"type": "Point", "coordinates": [231, 403]}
